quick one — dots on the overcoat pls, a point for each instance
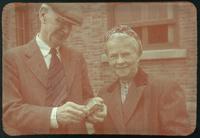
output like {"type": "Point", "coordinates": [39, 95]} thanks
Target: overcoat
{"type": "Point", "coordinates": [25, 90]}
{"type": "Point", "coordinates": [154, 106]}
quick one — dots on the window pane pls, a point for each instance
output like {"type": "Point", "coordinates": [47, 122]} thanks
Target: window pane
{"type": "Point", "coordinates": [158, 34]}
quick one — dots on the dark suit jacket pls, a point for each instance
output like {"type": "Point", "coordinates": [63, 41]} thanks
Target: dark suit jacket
{"type": "Point", "coordinates": [25, 90]}
{"type": "Point", "coordinates": [153, 107]}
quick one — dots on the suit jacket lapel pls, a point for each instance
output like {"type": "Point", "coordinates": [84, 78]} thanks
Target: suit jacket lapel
{"type": "Point", "coordinates": [136, 91]}
{"type": "Point", "coordinates": [68, 64]}
{"type": "Point", "coordinates": [35, 62]}
{"type": "Point", "coordinates": [37, 65]}
{"type": "Point", "coordinates": [115, 108]}
{"type": "Point", "coordinates": [133, 98]}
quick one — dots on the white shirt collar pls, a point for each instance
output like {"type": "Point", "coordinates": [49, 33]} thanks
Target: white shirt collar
{"type": "Point", "coordinates": [44, 48]}
{"type": "Point", "coordinates": [123, 83]}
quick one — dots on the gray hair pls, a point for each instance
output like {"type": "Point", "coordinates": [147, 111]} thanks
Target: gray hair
{"type": "Point", "coordinates": [124, 30]}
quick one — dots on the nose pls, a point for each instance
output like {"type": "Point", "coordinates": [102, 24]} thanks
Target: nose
{"type": "Point", "coordinates": [120, 60]}
{"type": "Point", "coordinates": [65, 31]}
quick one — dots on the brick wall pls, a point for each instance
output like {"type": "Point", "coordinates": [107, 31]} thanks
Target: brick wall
{"type": "Point", "coordinates": [8, 27]}
{"type": "Point", "coordinates": [89, 40]}
{"type": "Point", "coordinates": [183, 70]}
{"type": "Point", "coordinates": [188, 39]}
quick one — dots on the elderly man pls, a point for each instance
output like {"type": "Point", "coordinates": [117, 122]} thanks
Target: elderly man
{"type": "Point", "coordinates": [139, 103]}
{"type": "Point", "coordinates": [45, 84]}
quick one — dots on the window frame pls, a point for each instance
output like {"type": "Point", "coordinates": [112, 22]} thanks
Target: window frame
{"type": "Point", "coordinates": [173, 52]}
{"type": "Point", "coordinates": [171, 22]}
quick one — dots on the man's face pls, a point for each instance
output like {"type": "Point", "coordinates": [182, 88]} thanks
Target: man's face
{"type": "Point", "coordinates": [57, 29]}
{"type": "Point", "coordinates": [123, 57]}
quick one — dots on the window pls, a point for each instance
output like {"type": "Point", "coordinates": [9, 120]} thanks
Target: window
{"type": "Point", "coordinates": [155, 23]}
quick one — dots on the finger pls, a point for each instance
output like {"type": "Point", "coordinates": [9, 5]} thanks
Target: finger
{"type": "Point", "coordinates": [100, 114]}
{"type": "Point", "coordinates": [102, 111]}
{"type": "Point", "coordinates": [75, 121]}
{"type": "Point", "coordinates": [70, 118]}
{"type": "Point", "coordinates": [93, 118]}
{"type": "Point", "coordinates": [75, 118]}
{"type": "Point", "coordinates": [102, 108]}
{"type": "Point", "coordinates": [76, 112]}
{"type": "Point", "coordinates": [99, 99]}
{"type": "Point", "coordinates": [95, 100]}
{"type": "Point", "coordinates": [77, 106]}
{"type": "Point", "coordinates": [66, 120]}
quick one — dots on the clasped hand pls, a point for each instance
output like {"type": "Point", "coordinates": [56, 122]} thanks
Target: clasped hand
{"type": "Point", "coordinates": [72, 113]}
{"type": "Point", "coordinates": [97, 110]}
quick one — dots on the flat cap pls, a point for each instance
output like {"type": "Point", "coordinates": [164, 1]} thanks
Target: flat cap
{"type": "Point", "coordinates": [70, 12]}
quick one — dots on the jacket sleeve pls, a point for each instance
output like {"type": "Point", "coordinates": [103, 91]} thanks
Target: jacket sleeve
{"type": "Point", "coordinates": [17, 113]}
{"type": "Point", "coordinates": [173, 114]}
{"type": "Point", "coordinates": [87, 89]}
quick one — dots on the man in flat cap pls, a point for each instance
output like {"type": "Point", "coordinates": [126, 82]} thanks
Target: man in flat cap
{"type": "Point", "coordinates": [46, 88]}
{"type": "Point", "coordinates": [137, 102]}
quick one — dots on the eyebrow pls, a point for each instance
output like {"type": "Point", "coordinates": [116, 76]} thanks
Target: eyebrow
{"type": "Point", "coordinates": [60, 19]}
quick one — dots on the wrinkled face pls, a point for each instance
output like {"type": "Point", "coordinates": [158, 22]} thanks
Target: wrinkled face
{"type": "Point", "coordinates": [122, 56]}
{"type": "Point", "coordinates": [56, 28]}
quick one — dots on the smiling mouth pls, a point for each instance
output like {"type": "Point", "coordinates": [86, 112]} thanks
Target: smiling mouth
{"type": "Point", "coordinates": [61, 35]}
{"type": "Point", "coordinates": [124, 67]}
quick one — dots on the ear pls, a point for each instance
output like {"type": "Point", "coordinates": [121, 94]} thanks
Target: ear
{"type": "Point", "coordinates": [42, 14]}
{"type": "Point", "coordinates": [138, 60]}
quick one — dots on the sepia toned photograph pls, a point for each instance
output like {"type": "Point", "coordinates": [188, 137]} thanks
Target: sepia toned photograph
{"type": "Point", "coordinates": [121, 68]}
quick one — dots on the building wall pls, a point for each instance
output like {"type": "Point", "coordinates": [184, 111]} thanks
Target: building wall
{"type": "Point", "coordinates": [88, 39]}
{"type": "Point", "coordinates": [8, 27]}
{"type": "Point", "coordinates": [188, 40]}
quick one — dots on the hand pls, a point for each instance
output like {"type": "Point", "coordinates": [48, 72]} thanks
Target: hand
{"type": "Point", "coordinates": [100, 114]}
{"type": "Point", "coordinates": [70, 113]}
{"type": "Point", "coordinates": [94, 104]}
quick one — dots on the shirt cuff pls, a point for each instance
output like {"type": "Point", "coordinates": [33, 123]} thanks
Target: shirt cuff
{"type": "Point", "coordinates": [54, 123]}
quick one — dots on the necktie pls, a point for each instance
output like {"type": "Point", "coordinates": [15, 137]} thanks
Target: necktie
{"type": "Point", "coordinates": [124, 91]}
{"type": "Point", "coordinates": [56, 75]}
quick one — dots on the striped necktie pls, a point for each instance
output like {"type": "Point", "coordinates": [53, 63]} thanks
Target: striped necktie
{"type": "Point", "coordinates": [56, 75]}
{"type": "Point", "coordinates": [124, 91]}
